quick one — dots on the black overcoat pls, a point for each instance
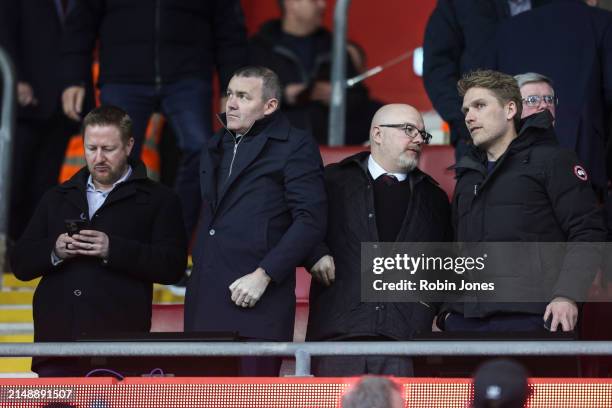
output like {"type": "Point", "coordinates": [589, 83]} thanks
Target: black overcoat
{"type": "Point", "coordinates": [337, 311]}
{"type": "Point", "coordinates": [85, 295]}
{"type": "Point", "coordinates": [270, 213]}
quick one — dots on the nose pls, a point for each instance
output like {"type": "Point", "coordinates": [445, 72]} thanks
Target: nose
{"type": "Point", "coordinates": [469, 116]}
{"type": "Point", "coordinates": [99, 155]}
{"type": "Point", "coordinates": [231, 103]}
{"type": "Point", "coordinates": [542, 105]}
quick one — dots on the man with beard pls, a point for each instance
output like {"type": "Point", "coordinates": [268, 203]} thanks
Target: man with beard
{"type": "Point", "coordinates": [97, 278]}
{"type": "Point", "coordinates": [374, 196]}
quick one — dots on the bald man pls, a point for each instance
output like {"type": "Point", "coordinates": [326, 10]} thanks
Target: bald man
{"type": "Point", "coordinates": [374, 196]}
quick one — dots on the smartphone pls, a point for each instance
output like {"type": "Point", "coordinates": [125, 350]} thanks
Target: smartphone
{"type": "Point", "coordinates": [74, 226]}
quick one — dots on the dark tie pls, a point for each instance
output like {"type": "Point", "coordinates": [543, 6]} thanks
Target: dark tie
{"type": "Point", "coordinates": [389, 179]}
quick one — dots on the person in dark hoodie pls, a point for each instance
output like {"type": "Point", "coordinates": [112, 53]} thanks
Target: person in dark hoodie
{"type": "Point", "coordinates": [157, 55]}
{"type": "Point", "coordinates": [298, 49]}
{"type": "Point", "coordinates": [518, 185]}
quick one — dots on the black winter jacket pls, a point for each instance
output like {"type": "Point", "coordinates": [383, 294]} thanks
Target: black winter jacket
{"type": "Point", "coordinates": [336, 312]}
{"type": "Point", "coordinates": [154, 41]}
{"type": "Point", "coordinates": [83, 295]}
{"type": "Point", "coordinates": [533, 194]}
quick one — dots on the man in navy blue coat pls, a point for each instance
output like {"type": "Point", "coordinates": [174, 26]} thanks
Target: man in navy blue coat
{"type": "Point", "coordinates": [571, 43]}
{"type": "Point", "coordinates": [264, 209]}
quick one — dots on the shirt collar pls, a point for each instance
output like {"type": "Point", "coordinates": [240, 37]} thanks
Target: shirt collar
{"type": "Point", "coordinates": [376, 170]}
{"type": "Point", "coordinates": [126, 175]}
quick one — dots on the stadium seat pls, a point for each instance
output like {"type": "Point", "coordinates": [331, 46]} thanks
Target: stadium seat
{"type": "Point", "coordinates": [167, 318]}
{"type": "Point", "coordinates": [435, 161]}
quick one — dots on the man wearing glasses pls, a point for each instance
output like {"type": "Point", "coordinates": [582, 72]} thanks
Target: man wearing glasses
{"type": "Point", "coordinates": [537, 93]}
{"type": "Point", "coordinates": [377, 196]}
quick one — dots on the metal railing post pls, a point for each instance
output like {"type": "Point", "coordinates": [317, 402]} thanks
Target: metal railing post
{"type": "Point", "coordinates": [337, 108]}
{"type": "Point", "coordinates": [7, 125]}
{"type": "Point", "coordinates": [302, 363]}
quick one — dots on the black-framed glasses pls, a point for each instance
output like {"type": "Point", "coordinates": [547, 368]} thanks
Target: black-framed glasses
{"type": "Point", "coordinates": [411, 131]}
{"type": "Point", "coordinates": [534, 100]}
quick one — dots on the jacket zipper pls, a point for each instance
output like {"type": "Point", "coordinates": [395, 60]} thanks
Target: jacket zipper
{"type": "Point", "coordinates": [236, 143]}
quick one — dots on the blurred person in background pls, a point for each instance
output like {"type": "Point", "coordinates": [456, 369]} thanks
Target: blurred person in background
{"type": "Point", "coordinates": [157, 55]}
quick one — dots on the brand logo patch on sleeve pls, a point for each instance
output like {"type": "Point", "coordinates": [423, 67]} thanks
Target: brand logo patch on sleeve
{"type": "Point", "coordinates": [581, 173]}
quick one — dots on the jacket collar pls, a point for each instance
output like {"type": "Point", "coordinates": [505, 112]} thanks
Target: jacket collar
{"type": "Point", "coordinates": [273, 122]}
{"type": "Point", "coordinates": [75, 188]}
{"type": "Point", "coordinates": [536, 129]}
{"type": "Point", "coordinates": [79, 180]}
{"type": "Point", "coordinates": [361, 159]}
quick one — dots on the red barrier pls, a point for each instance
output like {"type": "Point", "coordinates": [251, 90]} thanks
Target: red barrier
{"type": "Point", "coordinates": [275, 392]}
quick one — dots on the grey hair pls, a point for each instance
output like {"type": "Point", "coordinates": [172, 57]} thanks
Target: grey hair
{"type": "Point", "coordinates": [371, 392]}
{"type": "Point", "coordinates": [530, 77]}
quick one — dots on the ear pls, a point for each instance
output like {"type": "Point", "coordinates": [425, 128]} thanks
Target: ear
{"type": "Point", "coordinates": [376, 135]}
{"type": "Point", "coordinates": [511, 110]}
{"type": "Point", "coordinates": [129, 145]}
{"type": "Point", "coordinates": [270, 106]}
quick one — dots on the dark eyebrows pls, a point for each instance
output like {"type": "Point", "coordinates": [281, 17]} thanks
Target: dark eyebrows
{"type": "Point", "coordinates": [475, 102]}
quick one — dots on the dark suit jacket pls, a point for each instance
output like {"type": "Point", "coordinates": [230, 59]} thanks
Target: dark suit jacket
{"type": "Point", "coordinates": [571, 43]}
{"type": "Point", "coordinates": [270, 214]}
{"type": "Point", "coordinates": [31, 32]}
{"type": "Point", "coordinates": [337, 312]}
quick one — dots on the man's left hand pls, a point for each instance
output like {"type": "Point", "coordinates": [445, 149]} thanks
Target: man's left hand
{"type": "Point", "coordinates": [564, 312]}
{"type": "Point", "coordinates": [92, 243]}
{"type": "Point", "coordinates": [247, 290]}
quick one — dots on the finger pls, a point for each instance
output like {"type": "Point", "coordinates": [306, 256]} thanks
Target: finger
{"type": "Point", "coordinates": [323, 277]}
{"type": "Point", "coordinates": [240, 300]}
{"type": "Point", "coordinates": [80, 95]}
{"type": "Point", "coordinates": [233, 285]}
{"type": "Point", "coordinates": [565, 323]}
{"type": "Point", "coordinates": [546, 313]}
{"type": "Point", "coordinates": [331, 273]}
{"type": "Point", "coordinates": [554, 325]}
{"type": "Point", "coordinates": [66, 104]}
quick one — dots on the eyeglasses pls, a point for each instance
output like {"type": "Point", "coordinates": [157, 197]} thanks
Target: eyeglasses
{"type": "Point", "coordinates": [534, 100]}
{"type": "Point", "coordinates": [411, 131]}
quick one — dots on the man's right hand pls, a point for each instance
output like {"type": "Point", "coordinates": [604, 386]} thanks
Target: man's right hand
{"type": "Point", "coordinates": [72, 101]}
{"type": "Point", "coordinates": [324, 271]}
{"type": "Point", "coordinates": [64, 247]}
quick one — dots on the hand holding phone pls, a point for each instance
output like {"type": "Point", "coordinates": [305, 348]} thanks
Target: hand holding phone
{"type": "Point", "coordinates": [74, 226]}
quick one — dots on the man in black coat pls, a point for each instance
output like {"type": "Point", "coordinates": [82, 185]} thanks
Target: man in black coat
{"type": "Point", "coordinates": [30, 32]}
{"type": "Point", "coordinates": [264, 209]}
{"type": "Point", "coordinates": [579, 62]}
{"type": "Point", "coordinates": [98, 278]}
{"type": "Point", "coordinates": [367, 205]}
{"type": "Point", "coordinates": [520, 186]}
{"type": "Point", "coordinates": [157, 55]}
